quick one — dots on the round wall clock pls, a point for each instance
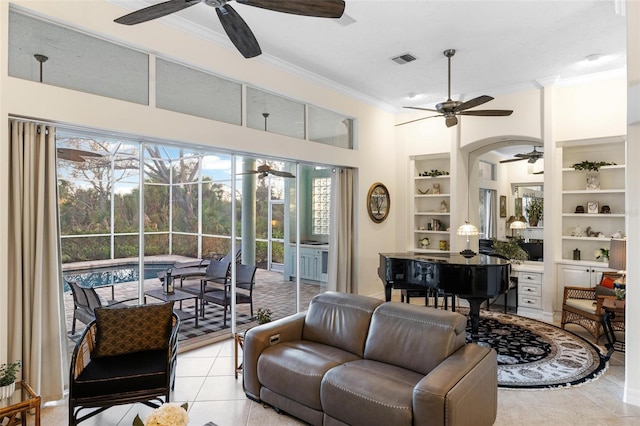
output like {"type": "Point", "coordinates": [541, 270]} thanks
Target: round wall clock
{"type": "Point", "coordinates": [378, 202]}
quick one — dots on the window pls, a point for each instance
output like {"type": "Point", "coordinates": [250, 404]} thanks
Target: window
{"type": "Point", "coordinates": [321, 208]}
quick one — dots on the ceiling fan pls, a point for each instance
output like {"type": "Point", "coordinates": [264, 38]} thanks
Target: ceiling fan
{"type": "Point", "coordinates": [77, 155]}
{"type": "Point", "coordinates": [450, 109]}
{"type": "Point", "coordinates": [532, 156]}
{"type": "Point", "coordinates": [233, 24]}
{"type": "Point", "coordinates": [265, 170]}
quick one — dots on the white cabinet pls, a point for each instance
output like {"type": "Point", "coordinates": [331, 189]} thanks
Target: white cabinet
{"type": "Point", "coordinates": [431, 204]}
{"type": "Point", "coordinates": [577, 275]}
{"type": "Point", "coordinates": [530, 293]}
{"type": "Point", "coordinates": [584, 229]}
{"type": "Point", "coordinates": [313, 263]}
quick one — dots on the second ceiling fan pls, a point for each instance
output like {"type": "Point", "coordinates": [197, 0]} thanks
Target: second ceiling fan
{"type": "Point", "coordinates": [531, 157]}
{"type": "Point", "coordinates": [235, 27]}
{"type": "Point", "coordinates": [451, 109]}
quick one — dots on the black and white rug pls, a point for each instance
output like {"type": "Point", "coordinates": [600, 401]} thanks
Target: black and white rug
{"type": "Point", "coordinates": [212, 323]}
{"type": "Point", "coordinates": [536, 355]}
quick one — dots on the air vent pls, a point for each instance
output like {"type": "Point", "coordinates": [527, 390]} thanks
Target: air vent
{"type": "Point", "coordinates": [403, 59]}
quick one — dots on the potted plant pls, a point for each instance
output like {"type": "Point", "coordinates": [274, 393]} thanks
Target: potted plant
{"type": "Point", "coordinates": [534, 210]}
{"type": "Point", "coordinates": [511, 250]}
{"type": "Point", "coordinates": [263, 316]}
{"type": "Point", "coordinates": [8, 373]}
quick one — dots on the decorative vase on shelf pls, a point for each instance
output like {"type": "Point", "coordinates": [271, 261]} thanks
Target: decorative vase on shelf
{"type": "Point", "coordinates": [593, 180]}
{"type": "Point", "coordinates": [7, 390]}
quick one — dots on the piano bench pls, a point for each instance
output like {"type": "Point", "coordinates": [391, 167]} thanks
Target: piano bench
{"type": "Point", "coordinates": [409, 293]}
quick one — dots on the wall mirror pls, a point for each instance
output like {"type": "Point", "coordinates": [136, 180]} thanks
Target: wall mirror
{"type": "Point", "coordinates": [378, 202]}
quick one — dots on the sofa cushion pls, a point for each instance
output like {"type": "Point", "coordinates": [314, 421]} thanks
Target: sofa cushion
{"type": "Point", "coordinates": [414, 337]}
{"type": "Point", "coordinates": [369, 392]}
{"type": "Point", "coordinates": [122, 373]}
{"type": "Point", "coordinates": [340, 320]}
{"type": "Point", "coordinates": [130, 329]}
{"type": "Point", "coordinates": [295, 369]}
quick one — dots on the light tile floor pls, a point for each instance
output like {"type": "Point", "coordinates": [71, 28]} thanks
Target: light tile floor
{"type": "Point", "coordinates": [205, 379]}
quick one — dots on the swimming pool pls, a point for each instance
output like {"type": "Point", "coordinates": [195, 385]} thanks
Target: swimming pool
{"type": "Point", "coordinates": [113, 275]}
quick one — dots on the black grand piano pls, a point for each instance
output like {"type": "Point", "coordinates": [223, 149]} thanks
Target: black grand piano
{"type": "Point", "coordinates": [475, 279]}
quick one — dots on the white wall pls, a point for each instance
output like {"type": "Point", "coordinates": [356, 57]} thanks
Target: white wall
{"type": "Point", "coordinates": [374, 158]}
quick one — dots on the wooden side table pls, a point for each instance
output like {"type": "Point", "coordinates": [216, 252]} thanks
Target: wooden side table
{"type": "Point", "coordinates": [15, 408]}
{"type": "Point", "coordinates": [238, 340]}
{"type": "Point", "coordinates": [614, 310]}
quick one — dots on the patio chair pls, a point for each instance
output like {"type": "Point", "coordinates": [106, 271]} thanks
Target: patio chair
{"type": "Point", "coordinates": [583, 306]}
{"type": "Point", "coordinates": [245, 282]}
{"type": "Point", "coordinates": [85, 300]}
{"type": "Point", "coordinates": [126, 355]}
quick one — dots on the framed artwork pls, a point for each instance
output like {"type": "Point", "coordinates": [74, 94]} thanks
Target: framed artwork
{"type": "Point", "coordinates": [592, 207]}
{"type": "Point", "coordinates": [378, 202]}
{"type": "Point", "coordinates": [503, 206]}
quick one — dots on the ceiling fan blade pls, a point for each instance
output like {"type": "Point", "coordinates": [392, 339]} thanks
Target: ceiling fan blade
{"type": "Point", "coordinates": [532, 160]}
{"type": "Point", "coordinates": [238, 31]}
{"type": "Point", "coordinates": [512, 160]}
{"type": "Point", "coordinates": [541, 172]}
{"type": "Point", "coordinates": [488, 112]}
{"type": "Point", "coordinates": [77, 155]}
{"type": "Point", "coordinates": [423, 109]}
{"type": "Point", "coordinates": [249, 172]}
{"type": "Point", "coordinates": [281, 174]}
{"type": "Point", "coordinates": [473, 103]}
{"type": "Point", "coordinates": [317, 8]}
{"type": "Point", "coordinates": [156, 11]}
{"type": "Point", "coordinates": [451, 121]}
{"type": "Point", "coordinates": [418, 119]}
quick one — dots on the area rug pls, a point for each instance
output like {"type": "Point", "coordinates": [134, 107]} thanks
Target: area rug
{"type": "Point", "coordinates": [536, 355]}
{"type": "Point", "coordinates": [211, 323]}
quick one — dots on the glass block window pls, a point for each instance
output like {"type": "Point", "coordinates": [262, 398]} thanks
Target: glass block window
{"type": "Point", "coordinates": [321, 209]}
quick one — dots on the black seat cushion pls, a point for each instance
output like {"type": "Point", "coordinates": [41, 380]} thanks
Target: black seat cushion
{"type": "Point", "coordinates": [122, 373]}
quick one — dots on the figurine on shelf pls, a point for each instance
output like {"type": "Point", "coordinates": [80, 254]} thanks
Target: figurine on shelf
{"type": "Point", "coordinates": [444, 206]}
{"type": "Point", "coordinates": [577, 231]}
{"type": "Point", "coordinates": [425, 242]}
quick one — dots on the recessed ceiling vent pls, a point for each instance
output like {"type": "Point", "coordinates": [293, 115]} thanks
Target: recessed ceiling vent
{"type": "Point", "coordinates": [403, 59]}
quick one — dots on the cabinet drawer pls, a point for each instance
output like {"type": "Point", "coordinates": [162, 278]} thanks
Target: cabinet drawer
{"type": "Point", "coordinates": [529, 277]}
{"type": "Point", "coordinates": [530, 290]}
{"type": "Point", "coordinates": [525, 300]}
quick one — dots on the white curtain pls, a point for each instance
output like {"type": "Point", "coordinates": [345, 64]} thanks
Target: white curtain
{"type": "Point", "coordinates": [342, 244]}
{"type": "Point", "coordinates": [36, 314]}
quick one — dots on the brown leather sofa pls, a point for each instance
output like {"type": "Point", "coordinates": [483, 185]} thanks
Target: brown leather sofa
{"type": "Point", "coordinates": [355, 360]}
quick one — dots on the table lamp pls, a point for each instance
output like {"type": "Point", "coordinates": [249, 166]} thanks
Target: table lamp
{"type": "Point", "coordinates": [518, 224]}
{"type": "Point", "coordinates": [618, 258]}
{"type": "Point", "coordinates": [467, 230]}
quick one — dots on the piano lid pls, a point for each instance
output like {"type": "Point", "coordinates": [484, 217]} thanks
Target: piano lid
{"type": "Point", "coordinates": [449, 258]}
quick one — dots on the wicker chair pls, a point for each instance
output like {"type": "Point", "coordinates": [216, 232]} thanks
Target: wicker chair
{"type": "Point", "coordinates": [126, 355]}
{"type": "Point", "coordinates": [583, 306]}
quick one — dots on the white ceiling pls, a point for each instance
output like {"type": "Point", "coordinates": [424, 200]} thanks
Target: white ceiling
{"type": "Point", "coordinates": [501, 45]}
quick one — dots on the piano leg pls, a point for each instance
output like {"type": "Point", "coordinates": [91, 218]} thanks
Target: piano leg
{"type": "Point", "coordinates": [474, 314]}
{"type": "Point", "coordinates": [387, 292]}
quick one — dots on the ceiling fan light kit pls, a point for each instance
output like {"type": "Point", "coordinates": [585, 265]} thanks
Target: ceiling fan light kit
{"type": "Point", "coordinates": [450, 109]}
{"type": "Point", "coordinates": [236, 28]}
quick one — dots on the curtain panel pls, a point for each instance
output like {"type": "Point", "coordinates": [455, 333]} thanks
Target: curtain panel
{"type": "Point", "coordinates": [36, 326]}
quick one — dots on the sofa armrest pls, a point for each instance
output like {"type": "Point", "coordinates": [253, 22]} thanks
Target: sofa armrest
{"type": "Point", "coordinates": [464, 386]}
{"type": "Point", "coordinates": [257, 339]}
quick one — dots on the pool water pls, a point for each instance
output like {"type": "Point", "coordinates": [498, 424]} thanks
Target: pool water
{"type": "Point", "coordinates": [113, 275]}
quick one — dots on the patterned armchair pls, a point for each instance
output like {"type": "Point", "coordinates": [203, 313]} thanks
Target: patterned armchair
{"type": "Point", "coordinates": [126, 355]}
{"type": "Point", "coordinates": [583, 306]}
